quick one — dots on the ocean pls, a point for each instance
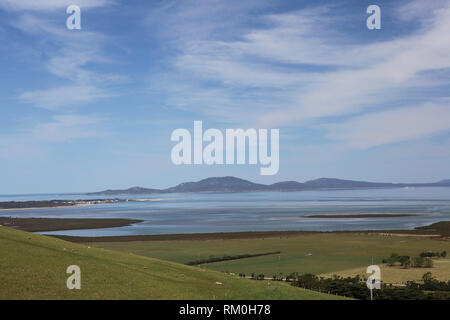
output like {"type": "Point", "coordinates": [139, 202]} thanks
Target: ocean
{"type": "Point", "coordinates": [255, 211]}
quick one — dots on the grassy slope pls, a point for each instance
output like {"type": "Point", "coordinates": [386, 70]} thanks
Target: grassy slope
{"type": "Point", "coordinates": [33, 267]}
{"type": "Point", "coordinates": [330, 252]}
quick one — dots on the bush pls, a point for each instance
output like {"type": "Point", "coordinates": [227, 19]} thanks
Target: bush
{"type": "Point", "coordinates": [431, 254]}
{"type": "Point", "coordinates": [424, 260]}
{"type": "Point", "coordinates": [405, 261]}
{"type": "Point", "coordinates": [418, 262]}
{"type": "Point", "coordinates": [429, 263]}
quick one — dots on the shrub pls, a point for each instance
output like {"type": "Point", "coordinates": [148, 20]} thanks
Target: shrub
{"type": "Point", "coordinates": [429, 263]}
{"type": "Point", "coordinates": [418, 262]}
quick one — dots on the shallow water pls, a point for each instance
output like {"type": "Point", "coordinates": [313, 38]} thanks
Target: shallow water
{"type": "Point", "coordinates": [257, 211]}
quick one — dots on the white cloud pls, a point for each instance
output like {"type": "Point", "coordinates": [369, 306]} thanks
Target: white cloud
{"type": "Point", "coordinates": [70, 95]}
{"type": "Point", "coordinates": [390, 126]}
{"type": "Point", "coordinates": [64, 128]}
{"type": "Point", "coordinates": [190, 20]}
{"type": "Point", "coordinates": [349, 75]}
{"type": "Point", "coordinates": [69, 56]}
{"type": "Point", "coordinates": [50, 5]}
{"type": "Point", "coordinates": [36, 139]}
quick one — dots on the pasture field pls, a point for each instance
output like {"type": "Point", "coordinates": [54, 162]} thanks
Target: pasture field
{"type": "Point", "coordinates": [397, 274]}
{"type": "Point", "coordinates": [319, 253]}
{"type": "Point", "coordinates": [34, 267]}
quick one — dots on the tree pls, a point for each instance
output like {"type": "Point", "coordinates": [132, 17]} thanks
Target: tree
{"type": "Point", "coordinates": [405, 261]}
{"type": "Point", "coordinates": [418, 262]}
{"type": "Point", "coordinates": [391, 262]}
{"type": "Point", "coordinates": [307, 280]}
{"type": "Point", "coordinates": [429, 263]}
{"type": "Point", "coordinates": [292, 276]}
{"type": "Point", "coordinates": [392, 259]}
{"type": "Point", "coordinates": [394, 256]}
{"type": "Point", "coordinates": [427, 277]}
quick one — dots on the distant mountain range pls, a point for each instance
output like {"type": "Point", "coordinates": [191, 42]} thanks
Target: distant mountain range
{"type": "Point", "coordinates": [233, 184]}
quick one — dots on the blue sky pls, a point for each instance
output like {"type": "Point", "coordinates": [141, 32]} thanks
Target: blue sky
{"type": "Point", "coordinates": [85, 110]}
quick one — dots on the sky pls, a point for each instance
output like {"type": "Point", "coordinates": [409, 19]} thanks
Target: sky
{"type": "Point", "coordinates": [91, 109]}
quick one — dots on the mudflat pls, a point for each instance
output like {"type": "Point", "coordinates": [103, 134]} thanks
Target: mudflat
{"type": "Point", "coordinates": [53, 224]}
{"type": "Point", "coordinates": [375, 215]}
{"type": "Point", "coordinates": [435, 230]}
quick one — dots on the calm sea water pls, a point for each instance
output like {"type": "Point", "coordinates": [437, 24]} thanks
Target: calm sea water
{"type": "Point", "coordinates": [258, 211]}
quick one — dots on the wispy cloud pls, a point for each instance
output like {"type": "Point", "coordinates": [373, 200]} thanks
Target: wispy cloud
{"type": "Point", "coordinates": [70, 95]}
{"type": "Point", "coordinates": [50, 5]}
{"type": "Point", "coordinates": [63, 128]}
{"type": "Point", "coordinates": [297, 67]}
{"type": "Point", "coordinates": [71, 56]}
{"type": "Point", "coordinates": [390, 126]}
{"type": "Point", "coordinates": [35, 139]}
{"type": "Point", "coordinates": [402, 66]}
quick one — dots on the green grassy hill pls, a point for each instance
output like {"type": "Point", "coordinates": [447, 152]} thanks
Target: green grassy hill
{"type": "Point", "coordinates": [34, 267]}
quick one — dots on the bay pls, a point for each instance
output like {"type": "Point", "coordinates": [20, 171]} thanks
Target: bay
{"type": "Point", "coordinates": [255, 211]}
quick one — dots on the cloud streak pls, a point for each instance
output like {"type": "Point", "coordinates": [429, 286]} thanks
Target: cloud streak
{"type": "Point", "coordinates": [37, 138]}
{"type": "Point", "coordinates": [301, 68]}
{"type": "Point", "coordinates": [50, 5]}
{"type": "Point", "coordinates": [391, 126]}
{"type": "Point", "coordinates": [71, 56]}
{"type": "Point", "coordinates": [70, 95]}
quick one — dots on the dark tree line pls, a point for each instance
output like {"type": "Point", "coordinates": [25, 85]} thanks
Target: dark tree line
{"type": "Point", "coordinates": [212, 259]}
{"type": "Point", "coordinates": [422, 261]}
{"type": "Point", "coordinates": [355, 287]}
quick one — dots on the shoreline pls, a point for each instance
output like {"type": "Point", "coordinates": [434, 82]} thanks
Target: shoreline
{"type": "Point", "coordinates": [439, 230]}
{"type": "Point", "coordinates": [32, 205]}
{"type": "Point", "coordinates": [374, 215]}
{"type": "Point", "coordinates": [63, 224]}
{"type": "Point", "coordinates": [435, 230]}
{"type": "Point", "coordinates": [55, 207]}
